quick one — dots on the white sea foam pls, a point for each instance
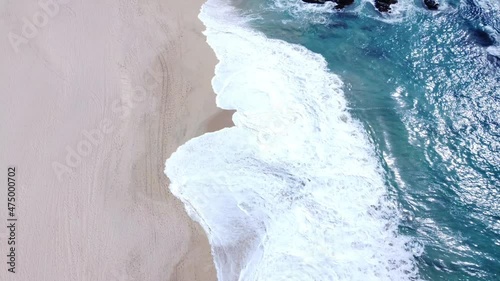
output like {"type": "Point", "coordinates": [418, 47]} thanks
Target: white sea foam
{"type": "Point", "coordinates": [312, 13]}
{"type": "Point", "coordinates": [317, 13]}
{"type": "Point", "coordinates": [494, 51]}
{"type": "Point", "coordinates": [294, 191]}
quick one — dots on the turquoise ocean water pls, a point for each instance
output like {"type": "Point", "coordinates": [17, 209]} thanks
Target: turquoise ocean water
{"type": "Point", "coordinates": [366, 146]}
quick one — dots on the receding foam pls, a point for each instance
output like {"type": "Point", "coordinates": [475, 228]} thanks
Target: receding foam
{"type": "Point", "coordinates": [293, 191]}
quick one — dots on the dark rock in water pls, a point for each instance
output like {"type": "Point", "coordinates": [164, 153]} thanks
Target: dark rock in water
{"type": "Point", "coordinates": [384, 5]}
{"type": "Point", "coordinates": [431, 4]}
{"type": "Point", "coordinates": [482, 37]}
{"type": "Point", "coordinates": [340, 3]}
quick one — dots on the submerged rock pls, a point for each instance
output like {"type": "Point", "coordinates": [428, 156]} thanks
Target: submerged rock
{"type": "Point", "coordinates": [481, 37]}
{"type": "Point", "coordinates": [431, 4]}
{"type": "Point", "coordinates": [384, 5]}
{"type": "Point", "coordinates": [338, 24]}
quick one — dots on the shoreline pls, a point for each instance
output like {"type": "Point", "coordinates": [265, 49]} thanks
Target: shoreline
{"type": "Point", "coordinates": [113, 89]}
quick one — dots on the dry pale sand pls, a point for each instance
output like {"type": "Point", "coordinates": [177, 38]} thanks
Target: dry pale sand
{"type": "Point", "coordinates": [93, 100]}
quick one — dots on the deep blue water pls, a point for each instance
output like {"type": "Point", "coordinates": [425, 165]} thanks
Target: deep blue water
{"type": "Point", "coordinates": [428, 91]}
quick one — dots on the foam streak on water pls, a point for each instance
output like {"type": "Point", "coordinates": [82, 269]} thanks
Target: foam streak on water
{"type": "Point", "coordinates": [294, 191]}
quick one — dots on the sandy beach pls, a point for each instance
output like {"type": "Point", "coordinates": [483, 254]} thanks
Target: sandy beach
{"type": "Point", "coordinates": [95, 95]}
